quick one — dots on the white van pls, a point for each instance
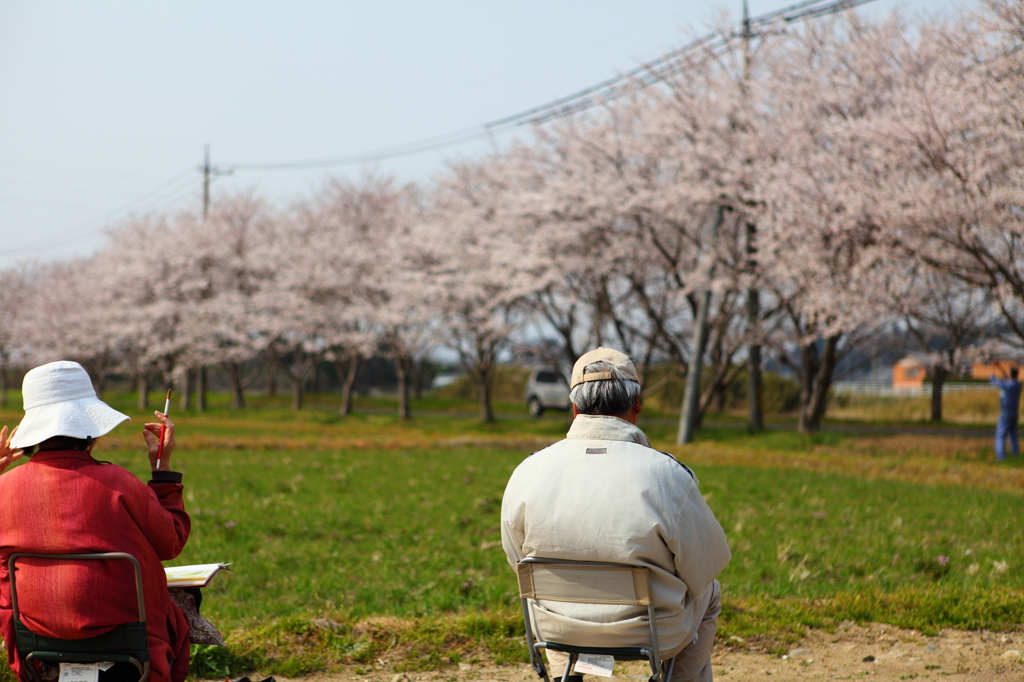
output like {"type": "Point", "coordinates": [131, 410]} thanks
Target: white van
{"type": "Point", "coordinates": [547, 389]}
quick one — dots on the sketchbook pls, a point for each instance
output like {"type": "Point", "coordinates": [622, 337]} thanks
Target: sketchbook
{"type": "Point", "coordinates": [199, 575]}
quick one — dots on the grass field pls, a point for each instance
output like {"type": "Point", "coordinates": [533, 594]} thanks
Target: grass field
{"type": "Point", "coordinates": [365, 539]}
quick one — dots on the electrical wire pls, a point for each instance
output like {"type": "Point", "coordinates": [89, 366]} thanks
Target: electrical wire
{"type": "Point", "coordinates": [646, 74]}
{"type": "Point", "coordinates": [653, 71]}
{"type": "Point", "coordinates": [172, 187]}
{"type": "Point", "coordinates": [387, 153]}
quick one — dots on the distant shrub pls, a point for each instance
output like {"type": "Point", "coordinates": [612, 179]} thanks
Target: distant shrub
{"type": "Point", "coordinates": [779, 394]}
{"type": "Point", "coordinates": [509, 386]}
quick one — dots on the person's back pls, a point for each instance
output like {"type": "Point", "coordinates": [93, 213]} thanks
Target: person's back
{"type": "Point", "coordinates": [1009, 409]}
{"type": "Point", "coordinates": [63, 501]}
{"type": "Point", "coordinates": [590, 498]}
{"type": "Point", "coordinates": [41, 510]}
{"type": "Point", "coordinates": [1009, 395]}
{"type": "Point", "coordinates": [603, 494]}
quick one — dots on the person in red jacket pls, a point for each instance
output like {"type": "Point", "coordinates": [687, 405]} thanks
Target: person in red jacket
{"type": "Point", "coordinates": [63, 500]}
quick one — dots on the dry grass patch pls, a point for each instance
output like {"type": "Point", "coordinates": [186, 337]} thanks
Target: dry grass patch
{"type": "Point", "coordinates": [930, 460]}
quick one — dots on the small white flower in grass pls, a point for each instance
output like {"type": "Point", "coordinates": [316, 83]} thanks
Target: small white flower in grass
{"type": "Point", "coordinates": [1000, 566]}
{"type": "Point", "coordinates": [973, 569]}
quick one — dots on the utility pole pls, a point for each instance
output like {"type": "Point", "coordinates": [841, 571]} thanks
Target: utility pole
{"type": "Point", "coordinates": [691, 400]}
{"type": "Point", "coordinates": [210, 172]}
{"type": "Point", "coordinates": [755, 422]}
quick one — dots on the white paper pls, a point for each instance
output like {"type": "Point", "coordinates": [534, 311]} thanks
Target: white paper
{"type": "Point", "coordinates": [192, 576]}
{"type": "Point", "coordinates": [595, 664]}
{"type": "Point", "coordinates": [79, 672]}
{"type": "Point", "coordinates": [105, 666]}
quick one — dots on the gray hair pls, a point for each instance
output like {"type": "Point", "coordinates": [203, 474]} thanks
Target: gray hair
{"type": "Point", "coordinates": [610, 397]}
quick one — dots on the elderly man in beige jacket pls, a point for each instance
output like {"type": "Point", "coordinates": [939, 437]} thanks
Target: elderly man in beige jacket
{"type": "Point", "coordinates": [604, 494]}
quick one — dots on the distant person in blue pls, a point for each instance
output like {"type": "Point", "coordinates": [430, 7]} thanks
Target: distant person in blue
{"type": "Point", "coordinates": [1009, 408]}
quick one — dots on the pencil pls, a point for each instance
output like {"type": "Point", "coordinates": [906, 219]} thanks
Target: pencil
{"type": "Point", "coordinates": [163, 430]}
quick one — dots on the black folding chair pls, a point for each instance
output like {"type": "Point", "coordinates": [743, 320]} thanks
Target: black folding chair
{"type": "Point", "coordinates": [588, 583]}
{"type": "Point", "coordinates": [126, 643]}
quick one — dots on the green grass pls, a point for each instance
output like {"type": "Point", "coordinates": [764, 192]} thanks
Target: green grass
{"type": "Point", "coordinates": [365, 539]}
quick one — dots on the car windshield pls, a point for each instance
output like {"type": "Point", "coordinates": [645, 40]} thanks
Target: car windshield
{"type": "Point", "coordinates": [546, 377]}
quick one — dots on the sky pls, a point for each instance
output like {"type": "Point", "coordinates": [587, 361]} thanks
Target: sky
{"type": "Point", "coordinates": [106, 107]}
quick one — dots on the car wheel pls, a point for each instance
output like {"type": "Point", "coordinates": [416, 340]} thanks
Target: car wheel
{"type": "Point", "coordinates": [536, 409]}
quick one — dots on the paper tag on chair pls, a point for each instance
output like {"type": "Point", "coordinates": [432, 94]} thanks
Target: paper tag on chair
{"type": "Point", "coordinates": [79, 672]}
{"type": "Point", "coordinates": [594, 664]}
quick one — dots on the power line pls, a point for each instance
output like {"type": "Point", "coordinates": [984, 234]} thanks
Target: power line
{"type": "Point", "coordinates": [646, 74]}
{"type": "Point", "coordinates": [170, 189]}
{"type": "Point", "coordinates": [655, 70]}
{"type": "Point", "coordinates": [428, 144]}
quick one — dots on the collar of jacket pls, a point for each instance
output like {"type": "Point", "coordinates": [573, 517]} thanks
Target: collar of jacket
{"type": "Point", "coordinates": [47, 455]}
{"type": "Point", "coordinates": [599, 427]}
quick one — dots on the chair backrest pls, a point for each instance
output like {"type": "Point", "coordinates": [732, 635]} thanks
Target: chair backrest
{"type": "Point", "coordinates": [593, 583]}
{"type": "Point", "coordinates": [126, 643]}
{"type": "Point", "coordinates": [590, 583]}
{"type": "Point", "coordinates": [102, 556]}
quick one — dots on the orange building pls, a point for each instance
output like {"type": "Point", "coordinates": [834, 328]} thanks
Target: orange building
{"type": "Point", "coordinates": [1000, 368]}
{"type": "Point", "coordinates": [909, 373]}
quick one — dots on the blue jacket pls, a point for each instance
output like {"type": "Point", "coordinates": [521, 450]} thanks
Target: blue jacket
{"type": "Point", "coordinates": [1009, 398]}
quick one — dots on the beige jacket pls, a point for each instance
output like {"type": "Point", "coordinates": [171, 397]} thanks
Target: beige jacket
{"type": "Point", "coordinates": [603, 494]}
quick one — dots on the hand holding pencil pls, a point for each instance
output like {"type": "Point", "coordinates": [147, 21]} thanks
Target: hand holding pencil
{"type": "Point", "coordinates": [160, 438]}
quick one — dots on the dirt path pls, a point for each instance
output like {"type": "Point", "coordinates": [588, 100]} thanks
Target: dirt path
{"type": "Point", "coordinates": [876, 653]}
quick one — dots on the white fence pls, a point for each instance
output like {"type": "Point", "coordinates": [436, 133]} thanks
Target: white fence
{"type": "Point", "coordinates": [885, 388]}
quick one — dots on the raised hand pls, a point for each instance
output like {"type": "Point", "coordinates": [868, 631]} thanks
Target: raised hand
{"type": "Point", "coordinates": [8, 455]}
{"type": "Point", "coordinates": [151, 432]}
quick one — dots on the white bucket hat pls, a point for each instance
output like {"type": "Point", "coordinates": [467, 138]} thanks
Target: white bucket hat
{"type": "Point", "coordinates": [59, 400]}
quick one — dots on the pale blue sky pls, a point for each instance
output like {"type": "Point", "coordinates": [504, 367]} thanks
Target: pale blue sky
{"type": "Point", "coordinates": [103, 102]}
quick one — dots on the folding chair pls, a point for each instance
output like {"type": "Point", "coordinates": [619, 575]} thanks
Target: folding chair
{"type": "Point", "coordinates": [587, 583]}
{"type": "Point", "coordinates": [126, 643]}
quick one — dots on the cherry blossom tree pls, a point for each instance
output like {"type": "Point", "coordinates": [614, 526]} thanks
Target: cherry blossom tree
{"type": "Point", "coordinates": [15, 292]}
{"type": "Point", "coordinates": [355, 229]}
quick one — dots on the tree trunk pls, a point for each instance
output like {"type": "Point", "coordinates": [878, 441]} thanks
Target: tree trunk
{"type": "Point", "coordinates": [272, 377]}
{"type": "Point", "coordinates": [689, 415]}
{"type": "Point", "coordinates": [938, 379]}
{"type": "Point", "coordinates": [755, 421]}
{"type": "Point", "coordinates": [185, 399]}
{"type": "Point", "coordinates": [484, 388]}
{"type": "Point", "coordinates": [234, 370]}
{"type": "Point", "coordinates": [403, 365]}
{"type": "Point", "coordinates": [718, 401]}
{"type": "Point", "coordinates": [142, 383]}
{"type": "Point", "coordinates": [816, 379]}
{"type": "Point", "coordinates": [347, 372]}
{"type": "Point", "coordinates": [298, 374]}
{"type": "Point", "coordinates": [417, 379]}
{"type": "Point", "coordinates": [297, 394]}
{"type": "Point", "coordinates": [100, 384]}
{"type": "Point", "coordinates": [201, 381]}
{"type": "Point", "coordinates": [3, 386]}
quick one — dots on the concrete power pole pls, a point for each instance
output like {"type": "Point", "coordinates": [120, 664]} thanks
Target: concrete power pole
{"type": "Point", "coordinates": [209, 173]}
{"type": "Point", "coordinates": [755, 423]}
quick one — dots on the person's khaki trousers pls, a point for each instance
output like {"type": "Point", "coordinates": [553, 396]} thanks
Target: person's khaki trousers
{"type": "Point", "coordinates": [693, 663]}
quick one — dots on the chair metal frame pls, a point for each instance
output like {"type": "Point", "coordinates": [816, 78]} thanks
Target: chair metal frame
{"type": "Point", "coordinates": [140, 662]}
{"type": "Point", "coordinates": [528, 591]}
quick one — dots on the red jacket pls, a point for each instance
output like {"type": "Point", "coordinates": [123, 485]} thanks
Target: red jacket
{"type": "Point", "coordinates": [66, 501]}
